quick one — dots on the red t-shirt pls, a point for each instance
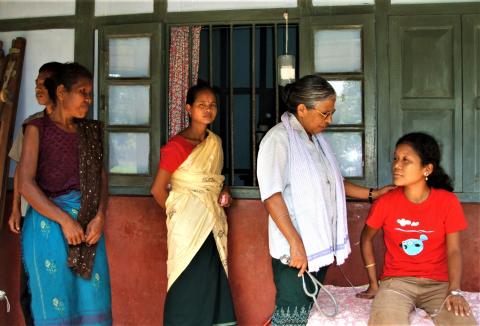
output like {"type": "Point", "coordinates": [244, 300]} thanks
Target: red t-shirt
{"type": "Point", "coordinates": [415, 234]}
{"type": "Point", "coordinates": [174, 153]}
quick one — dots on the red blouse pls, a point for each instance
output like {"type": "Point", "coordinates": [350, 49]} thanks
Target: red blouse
{"type": "Point", "coordinates": [174, 153]}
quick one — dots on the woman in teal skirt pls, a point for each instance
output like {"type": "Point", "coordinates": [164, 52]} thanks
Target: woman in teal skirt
{"type": "Point", "coordinates": [62, 178]}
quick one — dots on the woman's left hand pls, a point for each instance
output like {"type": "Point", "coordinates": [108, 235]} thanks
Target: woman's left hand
{"type": "Point", "coordinates": [95, 229]}
{"type": "Point", "coordinates": [225, 199]}
{"type": "Point", "coordinates": [458, 304]}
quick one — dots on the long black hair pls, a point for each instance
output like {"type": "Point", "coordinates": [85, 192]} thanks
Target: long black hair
{"type": "Point", "coordinates": [307, 90]}
{"type": "Point", "coordinates": [427, 148]}
{"type": "Point", "coordinates": [68, 76]}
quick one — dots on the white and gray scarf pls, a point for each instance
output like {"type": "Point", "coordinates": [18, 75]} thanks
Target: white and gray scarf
{"type": "Point", "coordinates": [323, 241]}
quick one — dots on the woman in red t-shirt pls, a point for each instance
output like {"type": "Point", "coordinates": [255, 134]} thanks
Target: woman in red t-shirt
{"type": "Point", "coordinates": [421, 221]}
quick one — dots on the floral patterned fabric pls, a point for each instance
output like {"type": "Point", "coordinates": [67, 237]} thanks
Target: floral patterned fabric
{"type": "Point", "coordinates": [297, 317]}
{"type": "Point", "coordinates": [355, 312]}
{"type": "Point", "coordinates": [59, 295]}
{"type": "Point", "coordinates": [183, 73]}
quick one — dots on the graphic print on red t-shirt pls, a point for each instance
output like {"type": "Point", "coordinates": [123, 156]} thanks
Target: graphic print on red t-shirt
{"type": "Point", "coordinates": [415, 234]}
{"type": "Point", "coordinates": [412, 246]}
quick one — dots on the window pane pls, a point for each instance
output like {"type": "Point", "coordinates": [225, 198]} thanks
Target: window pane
{"type": "Point", "coordinates": [115, 7]}
{"type": "Point", "coordinates": [348, 149]}
{"type": "Point", "coordinates": [129, 105]}
{"type": "Point", "coordinates": [342, 2]}
{"type": "Point", "coordinates": [349, 101]}
{"type": "Point", "coordinates": [242, 147]}
{"type": "Point", "coordinates": [264, 57]}
{"type": "Point", "coordinates": [338, 50]}
{"type": "Point", "coordinates": [129, 152]}
{"type": "Point", "coordinates": [24, 9]}
{"type": "Point", "coordinates": [203, 5]}
{"type": "Point", "coordinates": [242, 37]}
{"type": "Point", "coordinates": [221, 57]}
{"type": "Point", "coordinates": [265, 115]}
{"type": "Point", "coordinates": [129, 57]}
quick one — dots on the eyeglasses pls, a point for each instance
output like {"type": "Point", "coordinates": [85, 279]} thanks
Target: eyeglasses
{"type": "Point", "coordinates": [325, 115]}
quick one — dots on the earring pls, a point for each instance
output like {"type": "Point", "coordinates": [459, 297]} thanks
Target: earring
{"type": "Point", "coordinates": [426, 176]}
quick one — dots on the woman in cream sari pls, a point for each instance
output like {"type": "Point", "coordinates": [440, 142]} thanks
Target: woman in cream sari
{"type": "Point", "coordinates": [191, 163]}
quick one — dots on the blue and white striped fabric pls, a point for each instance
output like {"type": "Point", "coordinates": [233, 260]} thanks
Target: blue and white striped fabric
{"type": "Point", "coordinates": [322, 239]}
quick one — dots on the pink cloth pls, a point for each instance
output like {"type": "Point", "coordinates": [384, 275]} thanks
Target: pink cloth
{"type": "Point", "coordinates": [355, 312]}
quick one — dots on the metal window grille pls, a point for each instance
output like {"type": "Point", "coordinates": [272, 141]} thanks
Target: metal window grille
{"type": "Point", "coordinates": [240, 62]}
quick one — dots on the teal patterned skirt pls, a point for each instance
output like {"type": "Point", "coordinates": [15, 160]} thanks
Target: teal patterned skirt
{"type": "Point", "coordinates": [59, 296]}
{"type": "Point", "coordinates": [292, 305]}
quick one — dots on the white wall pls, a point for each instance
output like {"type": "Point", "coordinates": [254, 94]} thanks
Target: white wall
{"type": "Point", "coordinates": [342, 2]}
{"type": "Point", "coordinates": [10, 9]}
{"type": "Point", "coordinates": [42, 46]}
{"type": "Point", "coordinates": [122, 7]}
{"type": "Point", "coordinates": [204, 5]}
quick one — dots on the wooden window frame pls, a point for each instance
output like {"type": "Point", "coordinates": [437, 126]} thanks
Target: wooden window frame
{"type": "Point", "coordinates": [368, 127]}
{"type": "Point", "coordinates": [137, 184]}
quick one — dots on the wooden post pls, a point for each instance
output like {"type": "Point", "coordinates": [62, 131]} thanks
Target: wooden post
{"type": "Point", "coordinates": [9, 93]}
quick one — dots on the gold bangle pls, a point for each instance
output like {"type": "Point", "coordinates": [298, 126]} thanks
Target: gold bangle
{"type": "Point", "coordinates": [370, 265]}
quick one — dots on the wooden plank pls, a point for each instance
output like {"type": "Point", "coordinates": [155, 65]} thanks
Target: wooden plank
{"type": "Point", "coordinates": [3, 61]}
{"type": "Point", "coordinates": [8, 111]}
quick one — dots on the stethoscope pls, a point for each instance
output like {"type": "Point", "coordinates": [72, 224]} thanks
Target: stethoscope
{"type": "Point", "coordinates": [3, 296]}
{"type": "Point", "coordinates": [285, 259]}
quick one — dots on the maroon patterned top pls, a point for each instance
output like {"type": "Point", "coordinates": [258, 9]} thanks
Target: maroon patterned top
{"type": "Point", "coordinates": [58, 162]}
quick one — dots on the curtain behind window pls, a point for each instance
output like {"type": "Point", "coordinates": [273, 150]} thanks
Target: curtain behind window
{"type": "Point", "coordinates": [183, 73]}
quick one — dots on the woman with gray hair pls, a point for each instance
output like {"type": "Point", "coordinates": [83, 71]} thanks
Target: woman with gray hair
{"type": "Point", "coordinates": [304, 193]}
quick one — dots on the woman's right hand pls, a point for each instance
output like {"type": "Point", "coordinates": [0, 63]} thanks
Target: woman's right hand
{"type": "Point", "coordinates": [73, 232]}
{"type": "Point", "coordinates": [298, 256]}
{"type": "Point", "coordinates": [368, 293]}
{"type": "Point", "coordinates": [14, 221]}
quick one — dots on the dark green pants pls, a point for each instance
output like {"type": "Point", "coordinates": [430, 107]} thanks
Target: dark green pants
{"type": "Point", "coordinates": [201, 295]}
{"type": "Point", "coordinates": [292, 305]}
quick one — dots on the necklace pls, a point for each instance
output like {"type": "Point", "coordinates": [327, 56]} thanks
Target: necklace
{"type": "Point", "coordinates": [422, 198]}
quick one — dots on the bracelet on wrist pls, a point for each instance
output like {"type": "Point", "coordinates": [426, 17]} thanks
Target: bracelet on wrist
{"type": "Point", "coordinates": [457, 292]}
{"type": "Point", "coordinates": [370, 195]}
{"type": "Point", "coordinates": [370, 265]}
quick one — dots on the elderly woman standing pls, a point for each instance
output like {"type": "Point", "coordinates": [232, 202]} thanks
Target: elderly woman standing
{"type": "Point", "coordinates": [304, 194]}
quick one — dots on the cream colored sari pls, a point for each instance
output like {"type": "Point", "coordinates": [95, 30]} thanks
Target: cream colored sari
{"type": "Point", "coordinates": [192, 207]}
